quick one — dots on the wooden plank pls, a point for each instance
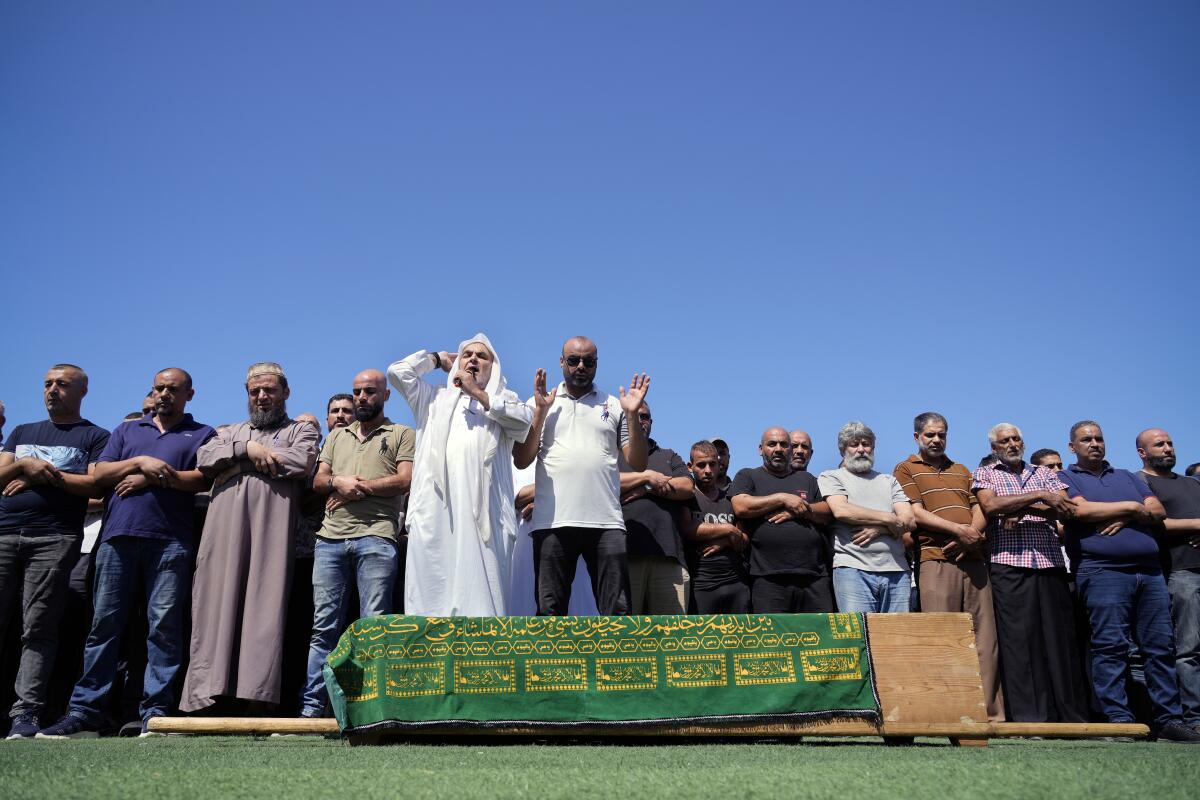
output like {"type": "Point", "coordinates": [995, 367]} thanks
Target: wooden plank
{"type": "Point", "coordinates": [245, 726]}
{"type": "Point", "coordinates": [1070, 730]}
{"type": "Point", "coordinates": [926, 668]}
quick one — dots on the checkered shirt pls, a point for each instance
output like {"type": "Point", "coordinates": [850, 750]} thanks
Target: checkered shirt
{"type": "Point", "coordinates": [1033, 544]}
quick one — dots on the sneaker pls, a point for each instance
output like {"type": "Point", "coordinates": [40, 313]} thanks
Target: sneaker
{"type": "Point", "coordinates": [1180, 734]}
{"type": "Point", "coordinates": [69, 727]}
{"type": "Point", "coordinates": [25, 726]}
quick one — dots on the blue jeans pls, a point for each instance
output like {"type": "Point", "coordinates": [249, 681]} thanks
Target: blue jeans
{"type": "Point", "coordinates": [858, 590]}
{"type": "Point", "coordinates": [1118, 601]}
{"type": "Point", "coordinates": [369, 562]}
{"type": "Point", "coordinates": [1184, 586]}
{"type": "Point", "coordinates": [123, 565]}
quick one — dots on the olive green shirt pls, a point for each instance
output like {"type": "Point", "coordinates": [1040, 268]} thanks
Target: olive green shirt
{"type": "Point", "coordinates": [374, 457]}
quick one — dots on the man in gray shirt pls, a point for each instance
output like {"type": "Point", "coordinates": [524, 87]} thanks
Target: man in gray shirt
{"type": "Point", "coordinates": [871, 517]}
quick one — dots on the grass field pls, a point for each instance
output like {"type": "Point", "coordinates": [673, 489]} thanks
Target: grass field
{"type": "Point", "coordinates": [293, 768]}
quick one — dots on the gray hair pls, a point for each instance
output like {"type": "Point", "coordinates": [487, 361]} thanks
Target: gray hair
{"type": "Point", "coordinates": [1083, 423]}
{"type": "Point", "coordinates": [922, 420]}
{"type": "Point", "coordinates": [994, 433]}
{"type": "Point", "coordinates": [854, 430]}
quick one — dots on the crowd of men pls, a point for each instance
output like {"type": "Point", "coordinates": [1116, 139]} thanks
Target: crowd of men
{"type": "Point", "coordinates": [234, 552]}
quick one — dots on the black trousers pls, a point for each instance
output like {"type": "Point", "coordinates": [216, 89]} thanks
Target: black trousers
{"type": "Point", "coordinates": [792, 594]}
{"type": "Point", "coordinates": [555, 554]}
{"type": "Point", "coordinates": [725, 598]}
{"type": "Point", "coordinates": [1039, 662]}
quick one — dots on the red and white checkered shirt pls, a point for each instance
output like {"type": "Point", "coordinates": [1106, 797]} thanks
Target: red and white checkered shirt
{"type": "Point", "coordinates": [1033, 544]}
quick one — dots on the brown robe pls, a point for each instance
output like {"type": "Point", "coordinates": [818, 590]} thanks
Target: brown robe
{"type": "Point", "coordinates": [244, 565]}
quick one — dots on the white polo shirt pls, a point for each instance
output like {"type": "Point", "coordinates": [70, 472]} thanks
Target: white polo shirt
{"type": "Point", "coordinates": [577, 483]}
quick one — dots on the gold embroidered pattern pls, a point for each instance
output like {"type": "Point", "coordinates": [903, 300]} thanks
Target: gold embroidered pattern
{"type": "Point", "coordinates": [626, 673]}
{"type": "Point", "coordinates": [556, 675]}
{"type": "Point", "coordinates": [831, 664]}
{"type": "Point", "coordinates": [485, 677]}
{"type": "Point", "coordinates": [413, 680]}
{"type": "Point", "coordinates": [759, 668]}
{"type": "Point", "coordinates": [844, 626]}
{"type": "Point", "coordinates": [704, 669]}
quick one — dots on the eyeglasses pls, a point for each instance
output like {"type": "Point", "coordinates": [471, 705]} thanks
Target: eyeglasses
{"type": "Point", "coordinates": [645, 417]}
{"type": "Point", "coordinates": [587, 361]}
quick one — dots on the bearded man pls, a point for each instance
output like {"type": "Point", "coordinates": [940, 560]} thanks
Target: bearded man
{"type": "Point", "coordinates": [871, 516]}
{"type": "Point", "coordinates": [244, 564]}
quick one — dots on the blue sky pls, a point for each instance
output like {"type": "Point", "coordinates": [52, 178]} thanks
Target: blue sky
{"type": "Point", "coordinates": [787, 213]}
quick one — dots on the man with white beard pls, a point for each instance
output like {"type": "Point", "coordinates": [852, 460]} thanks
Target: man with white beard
{"type": "Point", "coordinates": [871, 515]}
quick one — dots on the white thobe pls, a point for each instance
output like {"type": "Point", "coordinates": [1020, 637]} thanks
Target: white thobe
{"type": "Point", "coordinates": [461, 526]}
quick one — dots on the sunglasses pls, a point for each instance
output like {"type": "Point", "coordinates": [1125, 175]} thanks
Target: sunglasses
{"type": "Point", "coordinates": [575, 361]}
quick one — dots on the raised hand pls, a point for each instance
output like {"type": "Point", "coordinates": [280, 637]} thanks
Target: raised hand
{"type": "Point", "coordinates": [631, 400]}
{"type": "Point", "coordinates": [542, 399]}
{"type": "Point", "coordinates": [446, 359]}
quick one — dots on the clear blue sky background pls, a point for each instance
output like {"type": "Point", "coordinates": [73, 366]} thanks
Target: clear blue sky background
{"type": "Point", "coordinates": [787, 213]}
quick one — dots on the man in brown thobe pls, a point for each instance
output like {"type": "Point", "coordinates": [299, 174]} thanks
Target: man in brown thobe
{"type": "Point", "coordinates": [244, 564]}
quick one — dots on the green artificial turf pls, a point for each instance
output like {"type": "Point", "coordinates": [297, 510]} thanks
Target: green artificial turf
{"type": "Point", "coordinates": [292, 768]}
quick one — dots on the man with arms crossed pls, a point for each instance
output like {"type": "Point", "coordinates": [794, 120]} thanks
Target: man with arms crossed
{"type": "Point", "coordinates": [951, 548]}
{"type": "Point", "coordinates": [47, 475]}
{"type": "Point", "coordinates": [780, 509]}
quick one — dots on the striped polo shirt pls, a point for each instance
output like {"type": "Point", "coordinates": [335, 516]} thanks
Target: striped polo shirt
{"type": "Point", "coordinates": [945, 491]}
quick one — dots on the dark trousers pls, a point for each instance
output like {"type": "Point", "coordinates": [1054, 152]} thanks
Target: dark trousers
{"type": "Point", "coordinates": [556, 552]}
{"type": "Point", "coordinates": [725, 598]}
{"type": "Point", "coordinates": [792, 594]}
{"type": "Point", "coordinates": [1121, 603]}
{"type": "Point", "coordinates": [1038, 660]}
{"type": "Point", "coordinates": [35, 569]}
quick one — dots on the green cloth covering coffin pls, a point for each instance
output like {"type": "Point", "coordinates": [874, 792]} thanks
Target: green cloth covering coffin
{"type": "Point", "coordinates": [557, 672]}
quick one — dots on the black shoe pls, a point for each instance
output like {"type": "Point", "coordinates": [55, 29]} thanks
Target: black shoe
{"type": "Point", "coordinates": [1177, 733]}
{"type": "Point", "coordinates": [25, 726]}
{"type": "Point", "coordinates": [130, 728]}
{"type": "Point", "coordinates": [69, 727]}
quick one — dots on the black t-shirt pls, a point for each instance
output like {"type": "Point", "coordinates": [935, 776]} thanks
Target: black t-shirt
{"type": "Point", "coordinates": [1180, 496]}
{"type": "Point", "coordinates": [70, 448]}
{"type": "Point", "coordinates": [724, 566]}
{"type": "Point", "coordinates": [650, 521]}
{"type": "Point", "coordinates": [787, 548]}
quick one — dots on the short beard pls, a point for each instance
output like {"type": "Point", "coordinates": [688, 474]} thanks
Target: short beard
{"type": "Point", "coordinates": [1014, 462]}
{"type": "Point", "coordinates": [268, 419]}
{"type": "Point", "coordinates": [859, 464]}
{"type": "Point", "coordinates": [1161, 462]}
{"type": "Point", "coordinates": [366, 414]}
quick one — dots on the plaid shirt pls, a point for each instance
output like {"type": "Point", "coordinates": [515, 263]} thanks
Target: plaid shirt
{"type": "Point", "coordinates": [1033, 544]}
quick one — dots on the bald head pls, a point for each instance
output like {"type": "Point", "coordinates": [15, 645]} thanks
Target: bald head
{"type": "Point", "coordinates": [578, 362]}
{"type": "Point", "coordinates": [370, 393]}
{"type": "Point", "coordinates": [776, 450]}
{"type": "Point", "coordinates": [802, 449]}
{"type": "Point", "coordinates": [1157, 451]}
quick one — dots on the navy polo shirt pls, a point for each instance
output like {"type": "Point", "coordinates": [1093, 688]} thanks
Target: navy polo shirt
{"type": "Point", "coordinates": [1128, 548]}
{"type": "Point", "coordinates": [155, 512]}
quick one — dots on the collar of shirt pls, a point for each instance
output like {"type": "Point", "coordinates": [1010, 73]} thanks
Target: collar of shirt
{"type": "Point", "coordinates": [148, 422]}
{"type": "Point", "coordinates": [354, 427]}
{"type": "Point", "coordinates": [916, 459]}
{"type": "Point", "coordinates": [1105, 468]}
{"type": "Point", "coordinates": [562, 393]}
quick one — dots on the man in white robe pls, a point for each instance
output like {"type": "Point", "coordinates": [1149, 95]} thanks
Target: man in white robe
{"type": "Point", "coordinates": [461, 519]}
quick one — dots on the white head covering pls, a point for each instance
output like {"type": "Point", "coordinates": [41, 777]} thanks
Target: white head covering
{"type": "Point", "coordinates": [438, 430]}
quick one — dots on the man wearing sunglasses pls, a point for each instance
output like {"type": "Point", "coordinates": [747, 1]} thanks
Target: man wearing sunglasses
{"type": "Point", "coordinates": [575, 438]}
